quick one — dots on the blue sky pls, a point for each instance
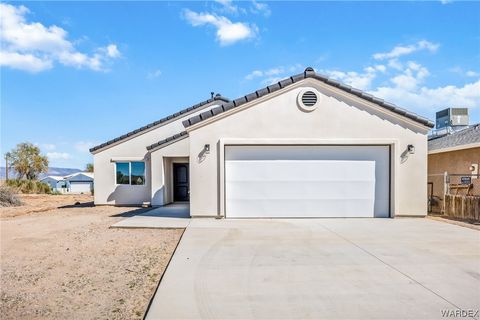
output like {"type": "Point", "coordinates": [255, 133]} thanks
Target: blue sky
{"type": "Point", "coordinates": [77, 74]}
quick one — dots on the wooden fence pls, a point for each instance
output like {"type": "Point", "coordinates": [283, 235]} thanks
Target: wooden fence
{"type": "Point", "coordinates": [462, 207]}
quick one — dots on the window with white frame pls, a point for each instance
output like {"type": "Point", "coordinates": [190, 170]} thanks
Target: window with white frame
{"type": "Point", "coordinates": [132, 173]}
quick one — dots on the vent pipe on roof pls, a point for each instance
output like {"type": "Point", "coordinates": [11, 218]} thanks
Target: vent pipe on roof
{"type": "Point", "coordinates": [212, 94]}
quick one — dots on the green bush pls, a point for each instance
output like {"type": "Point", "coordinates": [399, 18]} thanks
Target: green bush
{"type": "Point", "coordinates": [29, 186]}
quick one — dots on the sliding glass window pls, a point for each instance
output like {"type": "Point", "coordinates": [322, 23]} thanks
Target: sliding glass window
{"type": "Point", "coordinates": [132, 173]}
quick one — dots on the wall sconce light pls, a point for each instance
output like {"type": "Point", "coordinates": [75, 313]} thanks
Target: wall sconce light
{"type": "Point", "coordinates": [206, 148]}
{"type": "Point", "coordinates": [411, 148]}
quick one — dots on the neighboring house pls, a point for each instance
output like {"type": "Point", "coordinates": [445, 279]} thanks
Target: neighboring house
{"type": "Point", "coordinates": [56, 183]}
{"type": "Point", "coordinates": [307, 146]}
{"type": "Point", "coordinates": [457, 154]}
{"type": "Point", "coordinates": [79, 182]}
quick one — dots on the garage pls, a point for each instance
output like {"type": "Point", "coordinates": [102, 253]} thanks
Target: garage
{"type": "Point", "coordinates": [283, 181]}
{"type": "Point", "coordinates": [80, 187]}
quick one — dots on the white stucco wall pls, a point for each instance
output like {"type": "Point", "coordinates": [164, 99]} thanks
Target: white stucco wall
{"type": "Point", "coordinates": [339, 119]}
{"type": "Point", "coordinates": [161, 163]}
{"type": "Point", "coordinates": [106, 190]}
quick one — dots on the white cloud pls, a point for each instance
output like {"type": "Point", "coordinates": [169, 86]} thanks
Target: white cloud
{"type": "Point", "coordinates": [229, 7]}
{"type": "Point", "coordinates": [273, 75]}
{"type": "Point", "coordinates": [399, 51]}
{"type": "Point", "coordinates": [359, 80]}
{"type": "Point", "coordinates": [471, 73]}
{"type": "Point", "coordinates": [25, 62]}
{"type": "Point", "coordinates": [228, 32]}
{"type": "Point", "coordinates": [261, 8]}
{"type": "Point", "coordinates": [460, 71]}
{"type": "Point", "coordinates": [397, 81]}
{"type": "Point", "coordinates": [411, 77]}
{"type": "Point", "coordinates": [112, 51]}
{"type": "Point", "coordinates": [84, 146]}
{"type": "Point", "coordinates": [58, 155]}
{"type": "Point", "coordinates": [48, 146]}
{"type": "Point", "coordinates": [33, 47]}
{"type": "Point", "coordinates": [154, 74]}
{"type": "Point", "coordinates": [430, 99]}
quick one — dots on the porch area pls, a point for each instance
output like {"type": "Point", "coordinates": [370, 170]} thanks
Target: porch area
{"type": "Point", "coordinates": [175, 215]}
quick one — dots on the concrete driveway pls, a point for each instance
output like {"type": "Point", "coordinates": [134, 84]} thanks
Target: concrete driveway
{"type": "Point", "coordinates": [320, 268]}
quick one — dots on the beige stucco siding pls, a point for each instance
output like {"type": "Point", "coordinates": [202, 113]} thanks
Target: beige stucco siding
{"type": "Point", "coordinates": [339, 119]}
{"type": "Point", "coordinates": [106, 190]}
{"type": "Point", "coordinates": [453, 162]}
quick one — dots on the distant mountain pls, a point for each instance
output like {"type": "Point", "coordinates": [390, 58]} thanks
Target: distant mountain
{"type": "Point", "coordinates": [52, 171]}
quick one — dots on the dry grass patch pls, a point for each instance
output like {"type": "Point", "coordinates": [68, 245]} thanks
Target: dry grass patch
{"type": "Point", "coordinates": [68, 264]}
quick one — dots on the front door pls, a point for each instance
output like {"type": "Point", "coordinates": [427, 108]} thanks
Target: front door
{"type": "Point", "coordinates": [181, 189]}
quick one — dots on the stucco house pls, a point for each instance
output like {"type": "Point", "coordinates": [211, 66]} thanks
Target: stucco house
{"type": "Point", "coordinates": [56, 183]}
{"type": "Point", "coordinates": [458, 155]}
{"type": "Point", "coordinates": [307, 146]}
{"type": "Point", "coordinates": [79, 182]}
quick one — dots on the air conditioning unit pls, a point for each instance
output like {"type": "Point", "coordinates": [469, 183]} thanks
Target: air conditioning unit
{"type": "Point", "coordinates": [452, 117]}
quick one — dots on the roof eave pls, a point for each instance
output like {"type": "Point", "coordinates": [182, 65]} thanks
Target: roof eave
{"type": "Point", "coordinates": [455, 148]}
{"type": "Point", "coordinates": [167, 141]}
{"type": "Point", "coordinates": [194, 122]}
{"type": "Point", "coordinates": [156, 124]}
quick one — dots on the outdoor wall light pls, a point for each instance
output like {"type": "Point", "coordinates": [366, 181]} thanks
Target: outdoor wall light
{"type": "Point", "coordinates": [411, 148]}
{"type": "Point", "coordinates": [206, 148]}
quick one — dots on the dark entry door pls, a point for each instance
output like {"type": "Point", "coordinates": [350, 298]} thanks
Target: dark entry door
{"type": "Point", "coordinates": [180, 182]}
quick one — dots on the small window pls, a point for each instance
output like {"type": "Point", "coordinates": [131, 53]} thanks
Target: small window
{"type": "Point", "coordinates": [123, 172]}
{"type": "Point", "coordinates": [132, 173]}
{"type": "Point", "coordinates": [137, 173]}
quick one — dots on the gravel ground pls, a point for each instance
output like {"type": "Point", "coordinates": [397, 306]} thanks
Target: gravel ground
{"type": "Point", "coordinates": [67, 264]}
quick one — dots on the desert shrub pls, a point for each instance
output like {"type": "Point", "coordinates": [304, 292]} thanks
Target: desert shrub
{"type": "Point", "coordinates": [8, 198]}
{"type": "Point", "coordinates": [29, 186]}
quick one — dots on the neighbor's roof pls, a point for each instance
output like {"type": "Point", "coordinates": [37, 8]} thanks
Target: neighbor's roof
{"type": "Point", "coordinates": [88, 174]}
{"type": "Point", "coordinates": [218, 97]}
{"type": "Point", "coordinates": [57, 178]}
{"type": "Point", "coordinates": [308, 73]}
{"type": "Point", "coordinates": [463, 139]}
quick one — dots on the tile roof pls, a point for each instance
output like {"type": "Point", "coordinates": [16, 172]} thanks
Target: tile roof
{"type": "Point", "coordinates": [168, 140]}
{"type": "Point", "coordinates": [308, 73]}
{"type": "Point", "coordinates": [218, 97]}
{"type": "Point", "coordinates": [463, 137]}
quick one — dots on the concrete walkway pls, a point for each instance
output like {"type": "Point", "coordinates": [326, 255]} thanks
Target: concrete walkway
{"type": "Point", "coordinates": [320, 268]}
{"type": "Point", "coordinates": [175, 215]}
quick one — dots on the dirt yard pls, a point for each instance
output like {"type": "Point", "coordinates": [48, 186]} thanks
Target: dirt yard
{"type": "Point", "coordinates": [66, 263]}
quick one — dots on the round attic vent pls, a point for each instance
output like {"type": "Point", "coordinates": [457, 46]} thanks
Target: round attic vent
{"type": "Point", "coordinates": [308, 99]}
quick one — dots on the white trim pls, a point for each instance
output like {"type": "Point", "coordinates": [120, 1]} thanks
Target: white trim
{"type": "Point", "coordinates": [126, 159]}
{"type": "Point", "coordinates": [394, 149]}
{"type": "Point", "coordinates": [456, 148]}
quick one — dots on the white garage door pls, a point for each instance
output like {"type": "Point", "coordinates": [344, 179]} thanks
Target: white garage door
{"type": "Point", "coordinates": [307, 181]}
{"type": "Point", "coordinates": [80, 187]}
